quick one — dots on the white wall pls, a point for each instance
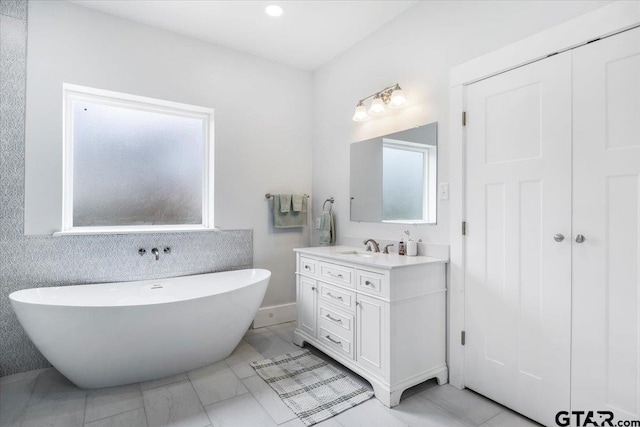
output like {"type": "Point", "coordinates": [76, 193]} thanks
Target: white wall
{"type": "Point", "coordinates": [417, 50]}
{"type": "Point", "coordinates": [263, 124]}
{"type": "Point", "coordinates": [262, 121]}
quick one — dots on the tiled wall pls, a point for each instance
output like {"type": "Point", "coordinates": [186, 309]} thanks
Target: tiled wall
{"type": "Point", "coordinates": [27, 262]}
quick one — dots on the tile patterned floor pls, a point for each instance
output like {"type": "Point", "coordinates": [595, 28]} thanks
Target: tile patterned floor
{"type": "Point", "coordinates": [228, 393]}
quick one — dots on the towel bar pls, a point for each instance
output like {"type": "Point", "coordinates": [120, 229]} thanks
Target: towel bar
{"type": "Point", "coordinates": [269, 195]}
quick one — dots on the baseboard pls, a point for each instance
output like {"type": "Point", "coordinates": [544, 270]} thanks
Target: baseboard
{"type": "Point", "coordinates": [275, 314]}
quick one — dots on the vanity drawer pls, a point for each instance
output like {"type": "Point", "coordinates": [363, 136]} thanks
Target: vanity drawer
{"type": "Point", "coordinates": [372, 283]}
{"type": "Point", "coordinates": [337, 273]}
{"type": "Point", "coordinates": [337, 343]}
{"type": "Point", "coordinates": [340, 297]}
{"type": "Point", "coordinates": [336, 321]}
{"type": "Point", "coordinates": [308, 265]}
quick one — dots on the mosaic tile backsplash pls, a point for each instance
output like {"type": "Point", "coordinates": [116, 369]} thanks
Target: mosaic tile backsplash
{"type": "Point", "coordinates": [37, 261]}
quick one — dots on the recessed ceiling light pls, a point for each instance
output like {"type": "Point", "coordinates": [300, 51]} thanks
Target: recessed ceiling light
{"type": "Point", "coordinates": [274, 10]}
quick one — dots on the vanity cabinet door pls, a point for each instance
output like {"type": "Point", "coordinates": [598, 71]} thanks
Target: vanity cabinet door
{"type": "Point", "coordinates": [307, 302]}
{"type": "Point", "coordinates": [370, 321]}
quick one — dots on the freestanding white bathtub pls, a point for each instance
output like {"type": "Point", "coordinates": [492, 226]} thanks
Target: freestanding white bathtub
{"type": "Point", "coordinates": [119, 333]}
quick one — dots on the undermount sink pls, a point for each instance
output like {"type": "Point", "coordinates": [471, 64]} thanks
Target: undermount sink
{"type": "Point", "coordinates": [361, 254]}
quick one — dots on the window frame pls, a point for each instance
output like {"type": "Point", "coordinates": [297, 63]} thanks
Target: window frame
{"type": "Point", "coordinates": [430, 179]}
{"type": "Point", "coordinates": [73, 93]}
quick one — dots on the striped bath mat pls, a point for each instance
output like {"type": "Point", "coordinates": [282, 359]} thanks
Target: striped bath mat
{"type": "Point", "coordinates": [310, 387]}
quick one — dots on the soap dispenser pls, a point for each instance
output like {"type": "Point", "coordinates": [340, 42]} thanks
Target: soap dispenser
{"type": "Point", "coordinates": [412, 245]}
{"type": "Point", "coordinates": [412, 248]}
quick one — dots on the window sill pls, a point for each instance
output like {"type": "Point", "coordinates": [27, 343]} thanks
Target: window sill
{"type": "Point", "coordinates": [87, 231]}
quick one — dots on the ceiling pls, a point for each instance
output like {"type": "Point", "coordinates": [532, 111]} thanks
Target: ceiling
{"type": "Point", "coordinates": [308, 35]}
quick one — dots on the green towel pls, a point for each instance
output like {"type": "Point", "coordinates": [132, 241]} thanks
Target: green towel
{"type": "Point", "coordinates": [299, 202]}
{"type": "Point", "coordinates": [285, 203]}
{"type": "Point", "coordinates": [287, 219]}
{"type": "Point", "coordinates": [327, 229]}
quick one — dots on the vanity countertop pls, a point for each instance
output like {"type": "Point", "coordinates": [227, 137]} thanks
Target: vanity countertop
{"type": "Point", "coordinates": [372, 259]}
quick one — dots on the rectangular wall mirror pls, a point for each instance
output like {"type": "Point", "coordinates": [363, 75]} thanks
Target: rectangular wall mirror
{"type": "Point", "coordinates": [393, 178]}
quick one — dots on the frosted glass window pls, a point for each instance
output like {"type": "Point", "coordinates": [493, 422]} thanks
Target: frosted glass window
{"type": "Point", "coordinates": [135, 165]}
{"type": "Point", "coordinates": [403, 183]}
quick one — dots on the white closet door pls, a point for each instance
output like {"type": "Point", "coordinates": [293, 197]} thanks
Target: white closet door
{"type": "Point", "coordinates": [606, 200]}
{"type": "Point", "coordinates": [518, 278]}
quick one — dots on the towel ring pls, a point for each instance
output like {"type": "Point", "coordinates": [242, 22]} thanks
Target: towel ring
{"type": "Point", "coordinates": [330, 200]}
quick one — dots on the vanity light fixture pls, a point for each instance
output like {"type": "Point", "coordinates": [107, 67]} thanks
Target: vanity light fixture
{"type": "Point", "coordinates": [378, 107]}
{"type": "Point", "coordinates": [361, 114]}
{"type": "Point", "coordinates": [391, 96]}
{"type": "Point", "coordinates": [274, 10]}
{"type": "Point", "coordinates": [398, 99]}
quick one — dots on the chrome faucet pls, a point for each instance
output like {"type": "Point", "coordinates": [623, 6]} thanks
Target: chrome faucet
{"type": "Point", "coordinates": [156, 252]}
{"type": "Point", "coordinates": [370, 242]}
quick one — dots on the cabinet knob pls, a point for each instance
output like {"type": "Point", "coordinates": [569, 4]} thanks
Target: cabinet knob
{"type": "Point", "coordinates": [313, 288]}
{"type": "Point", "coordinates": [580, 238]}
{"type": "Point", "coordinates": [558, 237]}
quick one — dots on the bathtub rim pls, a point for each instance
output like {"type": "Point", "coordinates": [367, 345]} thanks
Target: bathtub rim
{"type": "Point", "coordinates": [14, 300]}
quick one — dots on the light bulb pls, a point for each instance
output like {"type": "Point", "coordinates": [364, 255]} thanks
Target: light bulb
{"type": "Point", "coordinates": [377, 106]}
{"type": "Point", "coordinates": [361, 113]}
{"type": "Point", "coordinates": [397, 98]}
{"type": "Point", "coordinates": [274, 10]}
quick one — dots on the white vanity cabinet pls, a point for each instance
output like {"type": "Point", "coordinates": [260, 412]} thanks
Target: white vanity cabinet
{"type": "Point", "coordinates": [382, 316]}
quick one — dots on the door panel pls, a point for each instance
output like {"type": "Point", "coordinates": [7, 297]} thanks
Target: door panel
{"type": "Point", "coordinates": [307, 296]}
{"type": "Point", "coordinates": [606, 310]}
{"type": "Point", "coordinates": [518, 278]}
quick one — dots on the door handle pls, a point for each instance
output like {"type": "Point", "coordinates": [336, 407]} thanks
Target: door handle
{"type": "Point", "coordinates": [558, 237]}
{"type": "Point", "coordinates": [580, 238]}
